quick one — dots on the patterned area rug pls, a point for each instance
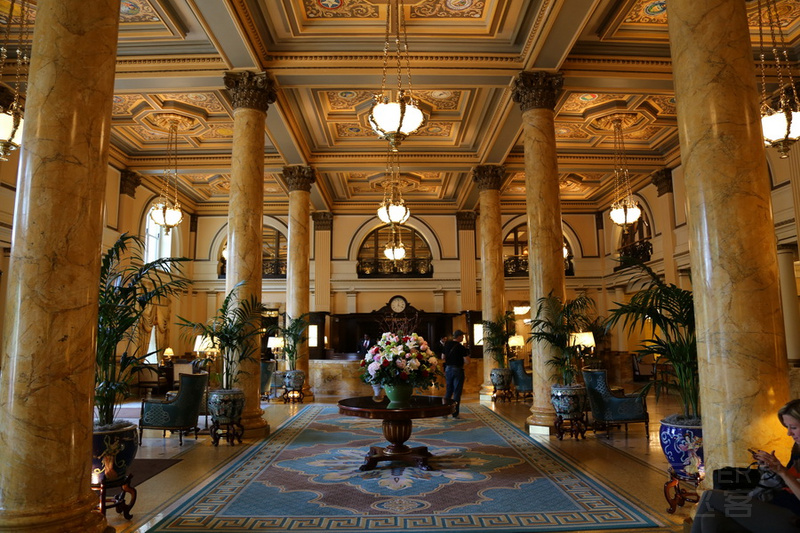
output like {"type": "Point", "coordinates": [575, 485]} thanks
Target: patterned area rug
{"type": "Point", "coordinates": [489, 476]}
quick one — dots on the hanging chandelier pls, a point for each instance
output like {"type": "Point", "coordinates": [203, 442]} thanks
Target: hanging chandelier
{"type": "Point", "coordinates": [393, 209]}
{"type": "Point", "coordinates": [12, 103]}
{"type": "Point", "coordinates": [166, 211]}
{"type": "Point", "coordinates": [394, 120]}
{"type": "Point", "coordinates": [624, 210]}
{"type": "Point", "coordinates": [780, 127]}
{"type": "Point", "coordinates": [394, 250]}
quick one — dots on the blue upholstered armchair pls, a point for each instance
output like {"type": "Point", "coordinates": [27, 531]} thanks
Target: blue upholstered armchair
{"type": "Point", "coordinates": [608, 410]}
{"type": "Point", "coordinates": [179, 413]}
{"type": "Point", "coordinates": [523, 381]}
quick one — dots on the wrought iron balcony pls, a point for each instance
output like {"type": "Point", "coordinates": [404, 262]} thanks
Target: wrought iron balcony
{"type": "Point", "coordinates": [270, 269]}
{"type": "Point", "coordinates": [386, 268]}
{"type": "Point", "coordinates": [638, 251]}
{"type": "Point", "coordinates": [516, 266]}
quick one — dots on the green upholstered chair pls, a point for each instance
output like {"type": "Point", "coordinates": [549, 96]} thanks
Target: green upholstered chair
{"type": "Point", "coordinates": [608, 409]}
{"type": "Point", "coordinates": [523, 381]}
{"type": "Point", "coordinates": [179, 413]}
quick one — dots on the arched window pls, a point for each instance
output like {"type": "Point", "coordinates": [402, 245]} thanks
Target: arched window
{"type": "Point", "coordinates": [515, 253]}
{"type": "Point", "coordinates": [273, 263]}
{"type": "Point", "coordinates": [157, 243]}
{"type": "Point", "coordinates": [373, 263]}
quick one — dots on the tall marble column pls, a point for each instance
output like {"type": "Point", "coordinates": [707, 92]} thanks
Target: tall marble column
{"type": "Point", "coordinates": [536, 94]}
{"type": "Point", "coordinates": [791, 311]}
{"type": "Point", "coordinates": [665, 220]}
{"type": "Point", "coordinates": [740, 337]}
{"type": "Point", "coordinates": [488, 179]}
{"type": "Point", "coordinates": [465, 223]}
{"type": "Point", "coordinates": [251, 94]}
{"type": "Point", "coordinates": [299, 178]}
{"type": "Point", "coordinates": [323, 225]}
{"type": "Point", "coordinates": [47, 365]}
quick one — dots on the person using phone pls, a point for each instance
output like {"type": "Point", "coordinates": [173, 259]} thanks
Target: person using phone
{"type": "Point", "coordinates": [779, 512]}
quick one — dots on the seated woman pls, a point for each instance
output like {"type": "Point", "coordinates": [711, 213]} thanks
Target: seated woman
{"type": "Point", "coordinates": [730, 511]}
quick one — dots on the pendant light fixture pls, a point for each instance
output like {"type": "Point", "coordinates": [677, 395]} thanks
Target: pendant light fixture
{"type": "Point", "coordinates": [624, 210]}
{"type": "Point", "coordinates": [166, 212]}
{"type": "Point", "coordinates": [781, 126]}
{"type": "Point", "coordinates": [393, 209]}
{"type": "Point", "coordinates": [395, 119]}
{"type": "Point", "coordinates": [12, 98]}
{"type": "Point", "coordinates": [394, 250]}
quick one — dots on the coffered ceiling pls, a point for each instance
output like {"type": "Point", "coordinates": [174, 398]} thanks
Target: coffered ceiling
{"type": "Point", "coordinates": [326, 59]}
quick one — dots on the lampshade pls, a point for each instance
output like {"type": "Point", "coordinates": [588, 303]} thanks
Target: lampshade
{"type": "Point", "coordinates": [168, 352]}
{"type": "Point", "coordinates": [202, 344]}
{"type": "Point", "coordinates": [623, 214]}
{"type": "Point", "coordinates": [395, 121]}
{"type": "Point", "coordinates": [516, 341]}
{"type": "Point", "coordinates": [394, 251]}
{"type": "Point", "coordinates": [393, 212]}
{"type": "Point", "coordinates": [275, 343]}
{"type": "Point", "coordinates": [522, 309]}
{"type": "Point", "coordinates": [584, 339]}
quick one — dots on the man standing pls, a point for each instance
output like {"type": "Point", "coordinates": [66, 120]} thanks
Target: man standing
{"type": "Point", "coordinates": [456, 357]}
{"type": "Point", "coordinates": [365, 344]}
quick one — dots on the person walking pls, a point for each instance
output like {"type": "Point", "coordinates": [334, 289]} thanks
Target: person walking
{"type": "Point", "coordinates": [456, 357]}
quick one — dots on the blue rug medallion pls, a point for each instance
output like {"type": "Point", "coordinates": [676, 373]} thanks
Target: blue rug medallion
{"type": "Point", "coordinates": [489, 476]}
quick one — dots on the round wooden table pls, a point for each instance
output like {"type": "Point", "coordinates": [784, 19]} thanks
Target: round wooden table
{"type": "Point", "coordinates": [397, 426]}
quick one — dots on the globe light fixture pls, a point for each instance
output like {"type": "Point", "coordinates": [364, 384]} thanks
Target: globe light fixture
{"type": "Point", "coordinates": [780, 125]}
{"type": "Point", "coordinates": [394, 250]}
{"type": "Point", "coordinates": [166, 211]}
{"type": "Point", "coordinates": [624, 210]}
{"type": "Point", "coordinates": [12, 97]}
{"type": "Point", "coordinates": [393, 208]}
{"type": "Point", "coordinates": [395, 119]}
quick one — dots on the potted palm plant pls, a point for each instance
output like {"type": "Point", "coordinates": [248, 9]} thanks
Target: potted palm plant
{"type": "Point", "coordinates": [128, 285]}
{"type": "Point", "coordinates": [495, 341]}
{"type": "Point", "coordinates": [232, 332]}
{"type": "Point", "coordinates": [669, 311]}
{"type": "Point", "coordinates": [293, 333]}
{"type": "Point", "coordinates": [555, 321]}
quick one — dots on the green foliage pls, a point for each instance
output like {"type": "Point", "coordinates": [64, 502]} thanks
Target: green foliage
{"type": "Point", "coordinates": [127, 286]}
{"type": "Point", "coordinates": [233, 331]}
{"type": "Point", "coordinates": [555, 320]}
{"type": "Point", "coordinates": [496, 334]}
{"type": "Point", "coordinates": [293, 333]}
{"type": "Point", "coordinates": [670, 311]}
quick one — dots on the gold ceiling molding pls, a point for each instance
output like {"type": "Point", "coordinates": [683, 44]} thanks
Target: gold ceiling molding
{"type": "Point", "coordinates": [300, 60]}
{"type": "Point", "coordinates": [627, 64]}
{"type": "Point", "coordinates": [141, 65]}
{"type": "Point", "coordinates": [244, 18]}
{"type": "Point", "coordinates": [533, 35]}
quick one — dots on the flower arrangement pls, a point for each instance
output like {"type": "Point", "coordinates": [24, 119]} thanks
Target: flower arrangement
{"type": "Point", "coordinates": [400, 360]}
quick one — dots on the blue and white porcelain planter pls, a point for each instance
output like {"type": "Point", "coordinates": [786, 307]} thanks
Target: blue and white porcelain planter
{"type": "Point", "coordinates": [113, 451]}
{"type": "Point", "coordinates": [226, 405]}
{"type": "Point", "coordinates": [569, 401]}
{"type": "Point", "coordinates": [683, 447]}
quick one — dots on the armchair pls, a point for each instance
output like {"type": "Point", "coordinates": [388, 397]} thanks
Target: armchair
{"type": "Point", "coordinates": [523, 381]}
{"type": "Point", "coordinates": [179, 413]}
{"type": "Point", "coordinates": [608, 409]}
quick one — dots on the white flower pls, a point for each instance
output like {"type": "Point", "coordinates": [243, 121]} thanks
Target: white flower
{"type": "Point", "coordinates": [373, 367]}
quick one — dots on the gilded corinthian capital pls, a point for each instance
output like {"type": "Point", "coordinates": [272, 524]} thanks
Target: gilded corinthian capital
{"type": "Point", "coordinates": [534, 90]}
{"type": "Point", "coordinates": [250, 89]}
{"type": "Point", "coordinates": [488, 177]}
{"type": "Point", "coordinates": [299, 177]}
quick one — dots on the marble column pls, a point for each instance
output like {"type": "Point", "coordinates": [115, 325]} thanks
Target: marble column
{"type": "Point", "coordinates": [323, 225]}
{"type": "Point", "coordinates": [488, 179]}
{"type": "Point", "coordinates": [251, 95]}
{"type": "Point", "coordinates": [789, 303]}
{"type": "Point", "coordinates": [536, 94]}
{"type": "Point", "coordinates": [740, 336]}
{"type": "Point", "coordinates": [299, 179]}
{"type": "Point", "coordinates": [50, 326]}
{"type": "Point", "coordinates": [665, 220]}
{"type": "Point", "coordinates": [465, 223]}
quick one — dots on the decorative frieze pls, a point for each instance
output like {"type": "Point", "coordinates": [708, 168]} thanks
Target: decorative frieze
{"type": "Point", "coordinates": [299, 177]}
{"type": "Point", "coordinates": [488, 177]}
{"type": "Point", "coordinates": [250, 89]}
{"type": "Point", "coordinates": [662, 179]}
{"type": "Point", "coordinates": [128, 181]}
{"type": "Point", "coordinates": [534, 90]}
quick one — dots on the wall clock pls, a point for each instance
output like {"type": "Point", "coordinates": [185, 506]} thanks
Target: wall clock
{"type": "Point", "coordinates": [398, 304]}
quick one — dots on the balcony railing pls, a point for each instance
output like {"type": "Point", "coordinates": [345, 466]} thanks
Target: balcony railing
{"type": "Point", "coordinates": [386, 268]}
{"type": "Point", "coordinates": [270, 269]}
{"type": "Point", "coordinates": [516, 266]}
{"type": "Point", "coordinates": [638, 251]}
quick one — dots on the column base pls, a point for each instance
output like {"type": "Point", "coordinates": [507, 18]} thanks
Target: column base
{"type": "Point", "coordinates": [254, 426]}
{"type": "Point", "coordinates": [540, 431]}
{"type": "Point", "coordinates": [541, 417]}
{"type": "Point", "coordinates": [84, 519]}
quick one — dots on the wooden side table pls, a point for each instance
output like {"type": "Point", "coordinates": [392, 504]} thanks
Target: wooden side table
{"type": "Point", "coordinates": [232, 431]}
{"type": "Point", "coordinates": [116, 502]}
{"type": "Point", "coordinates": [576, 429]}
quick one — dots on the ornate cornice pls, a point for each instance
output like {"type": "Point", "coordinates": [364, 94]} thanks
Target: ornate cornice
{"type": "Point", "coordinates": [251, 90]}
{"type": "Point", "coordinates": [537, 90]}
{"type": "Point", "coordinates": [488, 177]}
{"type": "Point", "coordinates": [662, 179]}
{"type": "Point", "coordinates": [299, 177]}
{"type": "Point", "coordinates": [465, 220]}
{"type": "Point", "coordinates": [323, 220]}
{"type": "Point", "coordinates": [128, 181]}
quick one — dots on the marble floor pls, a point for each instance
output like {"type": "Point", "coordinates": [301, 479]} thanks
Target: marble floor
{"type": "Point", "coordinates": [629, 463]}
